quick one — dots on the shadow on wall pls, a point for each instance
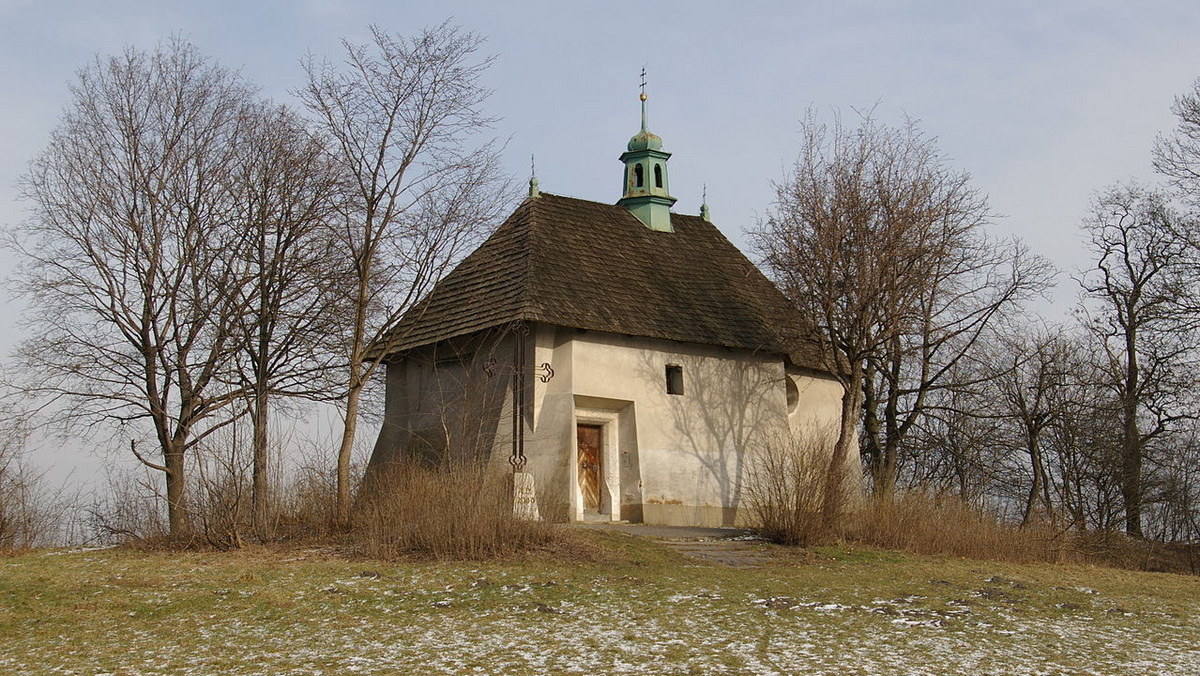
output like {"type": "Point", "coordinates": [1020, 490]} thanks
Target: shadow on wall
{"type": "Point", "coordinates": [728, 410]}
{"type": "Point", "coordinates": [445, 403]}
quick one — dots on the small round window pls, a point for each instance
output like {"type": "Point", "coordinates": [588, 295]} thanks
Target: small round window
{"type": "Point", "coordinates": [793, 394]}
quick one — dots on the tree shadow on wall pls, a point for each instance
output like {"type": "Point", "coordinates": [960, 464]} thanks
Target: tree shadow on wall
{"type": "Point", "coordinates": [451, 398]}
{"type": "Point", "coordinates": [729, 409]}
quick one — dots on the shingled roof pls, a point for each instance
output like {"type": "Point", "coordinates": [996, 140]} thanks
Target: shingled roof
{"type": "Point", "coordinates": [581, 264]}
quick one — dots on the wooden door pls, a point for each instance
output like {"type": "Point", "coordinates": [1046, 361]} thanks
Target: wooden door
{"type": "Point", "coordinates": [588, 438]}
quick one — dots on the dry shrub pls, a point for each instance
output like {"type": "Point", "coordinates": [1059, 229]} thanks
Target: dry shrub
{"type": "Point", "coordinates": [304, 496]}
{"type": "Point", "coordinates": [307, 503]}
{"type": "Point", "coordinates": [31, 515]}
{"type": "Point", "coordinates": [220, 511]}
{"type": "Point", "coordinates": [219, 493]}
{"type": "Point", "coordinates": [459, 510]}
{"type": "Point", "coordinates": [301, 494]}
{"type": "Point", "coordinates": [924, 523]}
{"type": "Point", "coordinates": [1115, 548]}
{"type": "Point", "coordinates": [921, 523]}
{"type": "Point", "coordinates": [784, 490]}
{"type": "Point", "coordinates": [128, 509]}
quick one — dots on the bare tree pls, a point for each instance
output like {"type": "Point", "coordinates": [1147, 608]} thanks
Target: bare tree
{"type": "Point", "coordinates": [1177, 155]}
{"type": "Point", "coordinates": [126, 264]}
{"type": "Point", "coordinates": [1143, 295]}
{"type": "Point", "coordinates": [953, 449]}
{"type": "Point", "coordinates": [858, 225]}
{"type": "Point", "coordinates": [288, 188]}
{"type": "Point", "coordinates": [1027, 426]}
{"type": "Point", "coordinates": [1176, 517]}
{"type": "Point", "coordinates": [1028, 375]}
{"type": "Point", "coordinates": [404, 116]}
{"type": "Point", "coordinates": [964, 290]}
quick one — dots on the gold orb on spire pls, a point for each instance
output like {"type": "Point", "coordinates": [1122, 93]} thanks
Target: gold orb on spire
{"type": "Point", "coordinates": [643, 96]}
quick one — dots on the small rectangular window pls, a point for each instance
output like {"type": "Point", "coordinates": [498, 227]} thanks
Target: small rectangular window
{"type": "Point", "coordinates": [674, 379]}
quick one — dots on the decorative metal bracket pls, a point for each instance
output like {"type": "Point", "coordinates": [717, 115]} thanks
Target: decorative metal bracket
{"type": "Point", "coordinates": [489, 367]}
{"type": "Point", "coordinates": [546, 372]}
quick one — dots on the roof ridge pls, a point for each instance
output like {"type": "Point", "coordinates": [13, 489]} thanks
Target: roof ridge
{"type": "Point", "coordinates": [527, 307]}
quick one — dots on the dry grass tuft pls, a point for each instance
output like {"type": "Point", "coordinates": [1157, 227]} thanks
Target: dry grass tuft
{"type": "Point", "coordinates": [920, 523]}
{"type": "Point", "coordinates": [306, 505]}
{"type": "Point", "coordinates": [786, 483]}
{"type": "Point", "coordinates": [461, 510]}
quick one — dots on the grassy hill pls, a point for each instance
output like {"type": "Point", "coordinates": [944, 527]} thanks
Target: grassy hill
{"type": "Point", "coordinates": [614, 604]}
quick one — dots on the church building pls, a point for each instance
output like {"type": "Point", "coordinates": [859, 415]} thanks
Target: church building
{"type": "Point", "coordinates": [631, 360]}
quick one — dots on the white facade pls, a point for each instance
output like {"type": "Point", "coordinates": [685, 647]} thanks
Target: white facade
{"type": "Point", "coordinates": [674, 459]}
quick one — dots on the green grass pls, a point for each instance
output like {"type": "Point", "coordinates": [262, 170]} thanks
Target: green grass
{"type": "Point", "coordinates": [637, 608]}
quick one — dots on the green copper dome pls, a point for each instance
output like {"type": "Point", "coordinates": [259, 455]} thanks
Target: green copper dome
{"type": "Point", "coordinates": [644, 140]}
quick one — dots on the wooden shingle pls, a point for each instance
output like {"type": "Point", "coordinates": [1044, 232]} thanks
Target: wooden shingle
{"type": "Point", "coordinates": [586, 265]}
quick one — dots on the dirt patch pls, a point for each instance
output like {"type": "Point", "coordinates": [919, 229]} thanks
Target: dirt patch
{"type": "Point", "coordinates": [732, 553]}
{"type": "Point", "coordinates": [733, 547]}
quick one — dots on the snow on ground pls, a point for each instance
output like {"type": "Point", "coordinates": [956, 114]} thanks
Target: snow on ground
{"type": "Point", "coordinates": [375, 624]}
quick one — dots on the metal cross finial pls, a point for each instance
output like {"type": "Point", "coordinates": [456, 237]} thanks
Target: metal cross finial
{"type": "Point", "coordinates": [534, 191]}
{"type": "Point", "coordinates": [643, 98]}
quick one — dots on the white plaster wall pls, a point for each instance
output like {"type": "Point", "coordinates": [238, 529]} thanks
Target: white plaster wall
{"type": "Point", "coordinates": [678, 459]}
{"type": "Point", "coordinates": [814, 421]}
{"type": "Point", "coordinates": [550, 444]}
{"type": "Point", "coordinates": [693, 449]}
{"type": "Point", "coordinates": [818, 405]}
{"type": "Point", "coordinates": [438, 398]}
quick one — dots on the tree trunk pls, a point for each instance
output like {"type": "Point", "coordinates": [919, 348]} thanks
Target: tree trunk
{"type": "Point", "coordinates": [835, 481]}
{"type": "Point", "coordinates": [1039, 480]}
{"type": "Point", "coordinates": [1131, 474]}
{"type": "Point", "coordinates": [886, 444]}
{"type": "Point", "coordinates": [1131, 443]}
{"type": "Point", "coordinates": [871, 444]}
{"type": "Point", "coordinates": [342, 515]}
{"type": "Point", "coordinates": [891, 422]}
{"type": "Point", "coordinates": [177, 516]}
{"type": "Point", "coordinates": [260, 490]}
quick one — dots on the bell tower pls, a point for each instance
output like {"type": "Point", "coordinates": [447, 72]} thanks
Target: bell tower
{"type": "Point", "coordinates": [646, 190]}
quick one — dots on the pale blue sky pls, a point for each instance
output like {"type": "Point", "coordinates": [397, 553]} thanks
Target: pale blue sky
{"type": "Point", "coordinates": [1043, 102]}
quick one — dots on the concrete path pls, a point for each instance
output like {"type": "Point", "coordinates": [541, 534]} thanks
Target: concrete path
{"type": "Point", "coordinates": [735, 547]}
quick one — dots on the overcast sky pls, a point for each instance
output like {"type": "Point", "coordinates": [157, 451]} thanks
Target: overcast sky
{"type": "Point", "coordinates": [1042, 102]}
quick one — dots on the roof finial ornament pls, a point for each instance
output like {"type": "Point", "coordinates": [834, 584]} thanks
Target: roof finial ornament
{"type": "Point", "coordinates": [704, 203]}
{"type": "Point", "coordinates": [643, 98]}
{"type": "Point", "coordinates": [533, 182]}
